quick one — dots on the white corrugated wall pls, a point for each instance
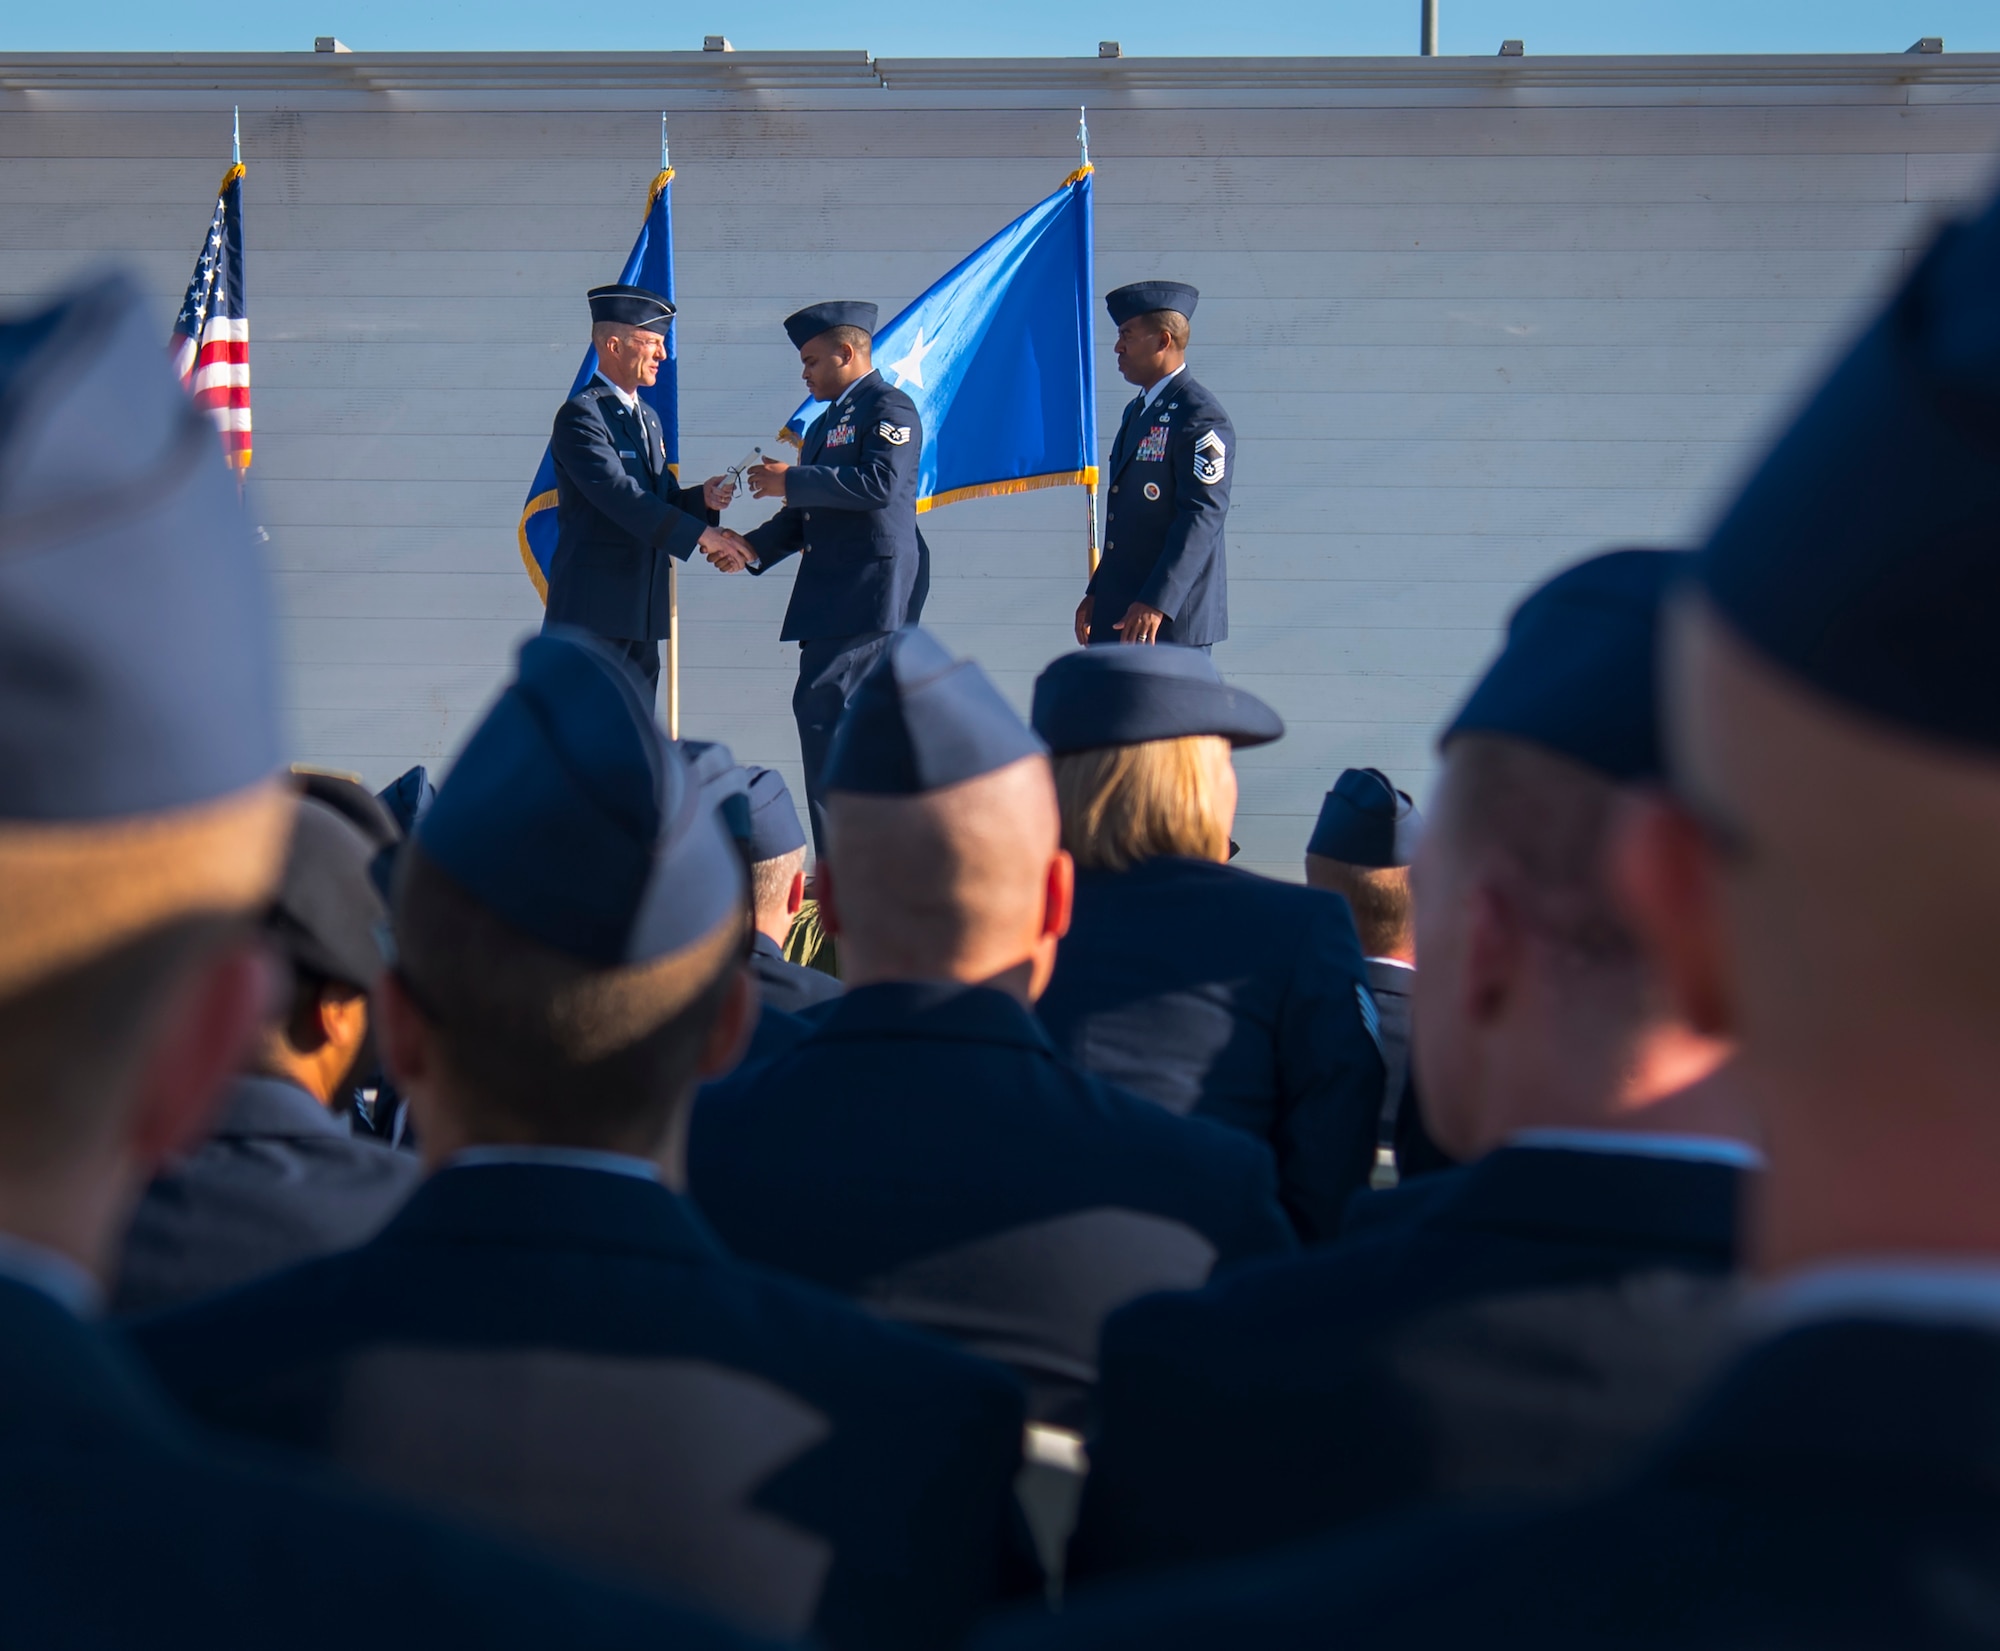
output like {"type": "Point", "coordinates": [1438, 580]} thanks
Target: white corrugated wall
{"type": "Point", "coordinates": [1469, 327]}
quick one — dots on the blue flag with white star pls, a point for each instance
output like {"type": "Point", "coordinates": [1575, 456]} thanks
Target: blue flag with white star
{"type": "Point", "coordinates": [997, 357]}
{"type": "Point", "coordinates": [650, 264]}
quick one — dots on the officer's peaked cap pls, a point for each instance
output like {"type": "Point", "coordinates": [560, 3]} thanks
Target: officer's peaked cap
{"type": "Point", "coordinates": [803, 326]}
{"type": "Point", "coordinates": [571, 818]}
{"type": "Point", "coordinates": [139, 735]}
{"type": "Point", "coordinates": [920, 721]}
{"type": "Point", "coordinates": [631, 307]}
{"type": "Point", "coordinates": [1144, 297]}
{"type": "Point", "coordinates": [1119, 695]}
{"type": "Point", "coordinates": [1576, 674]}
{"type": "Point", "coordinates": [1366, 821]}
{"type": "Point", "coordinates": [1863, 556]}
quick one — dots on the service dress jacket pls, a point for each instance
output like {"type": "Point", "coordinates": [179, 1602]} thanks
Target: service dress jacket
{"type": "Point", "coordinates": [1166, 505]}
{"type": "Point", "coordinates": [1836, 1485]}
{"type": "Point", "coordinates": [126, 1526]}
{"type": "Point", "coordinates": [786, 985]}
{"type": "Point", "coordinates": [926, 1151]}
{"type": "Point", "coordinates": [569, 1353]}
{"type": "Point", "coordinates": [279, 1180]}
{"type": "Point", "coordinates": [850, 514]}
{"type": "Point", "coordinates": [1526, 1324]}
{"type": "Point", "coordinates": [619, 512]}
{"type": "Point", "coordinates": [1225, 995]}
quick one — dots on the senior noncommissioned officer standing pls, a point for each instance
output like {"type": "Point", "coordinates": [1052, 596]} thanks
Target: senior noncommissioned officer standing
{"type": "Point", "coordinates": [1163, 577]}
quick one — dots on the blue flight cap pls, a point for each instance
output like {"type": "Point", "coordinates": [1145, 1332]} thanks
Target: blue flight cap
{"type": "Point", "coordinates": [139, 736]}
{"type": "Point", "coordinates": [1366, 821]}
{"type": "Point", "coordinates": [409, 797]}
{"type": "Point", "coordinates": [1862, 556]}
{"type": "Point", "coordinates": [1144, 297]}
{"type": "Point", "coordinates": [805, 325]}
{"type": "Point", "coordinates": [774, 819]}
{"type": "Point", "coordinates": [630, 307]}
{"type": "Point", "coordinates": [920, 721]}
{"type": "Point", "coordinates": [723, 783]}
{"type": "Point", "coordinates": [1116, 695]}
{"type": "Point", "coordinates": [352, 801]}
{"type": "Point", "coordinates": [1576, 673]}
{"type": "Point", "coordinates": [328, 907]}
{"type": "Point", "coordinates": [570, 817]}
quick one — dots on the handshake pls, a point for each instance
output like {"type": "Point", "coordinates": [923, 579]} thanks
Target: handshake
{"type": "Point", "coordinates": [726, 549]}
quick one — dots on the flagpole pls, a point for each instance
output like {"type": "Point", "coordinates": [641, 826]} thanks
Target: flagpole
{"type": "Point", "coordinates": [673, 572]}
{"type": "Point", "coordinates": [1090, 491]}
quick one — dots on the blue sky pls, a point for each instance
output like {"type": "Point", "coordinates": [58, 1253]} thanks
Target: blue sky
{"type": "Point", "coordinates": [1017, 28]}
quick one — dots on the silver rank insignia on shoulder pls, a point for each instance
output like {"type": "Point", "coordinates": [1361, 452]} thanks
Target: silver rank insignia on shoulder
{"type": "Point", "coordinates": [1211, 459]}
{"type": "Point", "coordinates": [894, 434]}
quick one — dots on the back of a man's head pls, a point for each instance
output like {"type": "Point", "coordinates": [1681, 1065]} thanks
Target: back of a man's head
{"type": "Point", "coordinates": [142, 822]}
{"type": "Point", "coordinates": [537, 1046]}
{"type": "Point", "coordinates": [950, 885]}
{"type": "Point", "coordinates": [1835, 713]}
{"type": "Point", "coordinates": [571, 923]}
{"type": "Point", "coordinates": [943, 840]}
{"type": "Point", "coordinates": [1535, 1004]}
{"type": "Point", "coordinates": [1379, 897]}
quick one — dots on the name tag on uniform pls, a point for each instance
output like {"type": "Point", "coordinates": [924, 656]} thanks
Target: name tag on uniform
{"type": "Point", "coordinates": [840, 435]}
{"type": "Point", "coordinates": [627, 453]}
{"type": "Point", "coordinates": [1154, 447]}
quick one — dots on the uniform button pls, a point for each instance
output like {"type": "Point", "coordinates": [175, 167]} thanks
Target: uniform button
{"type": "Point", "coordinates": [1108, 545]}
{"type": "Point", "coordinates": [1114, 487]}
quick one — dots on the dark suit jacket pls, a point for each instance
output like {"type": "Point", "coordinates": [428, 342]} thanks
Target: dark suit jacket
{"type": "Point", "coordinates": [926, 1152]}
{"type": "Point", "coordinates": [1838, 1486]}
{"type": "Point", "coordinates": [279, 1180]}
{"type": "Point", "coordinates": [1233, 997]}
{"type": "Point", "coordinates": [851, 509]}
{"type": "Point", "coordinates": [618, 512]}
{"type": "Point", "coordinates": [1170, 475]}
{"type": "Point", "coordinates": [787, 986]}
{"type": "Point", "coordinates": [123, 1528]}
{"type": "Point", "coordinates": [568, 1352]}
{"type": "Point", "coordinates": [1502, 1337]}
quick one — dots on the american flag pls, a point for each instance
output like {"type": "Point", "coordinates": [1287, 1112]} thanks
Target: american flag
{"type": "Point", "coordinates": [211, 342]}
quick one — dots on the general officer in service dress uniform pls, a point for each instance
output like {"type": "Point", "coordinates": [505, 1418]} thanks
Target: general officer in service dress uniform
{"type": "Point", "coordinates": [850, 511]}
{"type": "Point", "coordinates": [619, 510]}
{"type": "Point", "coordinates": [1163, 576]}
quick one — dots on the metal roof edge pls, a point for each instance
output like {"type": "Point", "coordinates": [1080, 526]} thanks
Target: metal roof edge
{"type": "Point", "coordinates": [855, 70]}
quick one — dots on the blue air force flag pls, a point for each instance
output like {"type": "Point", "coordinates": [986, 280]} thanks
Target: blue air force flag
{"type": "Point", "coordinates": [649, 265]}
{"type": "Point", "coordinates": [997, 357]}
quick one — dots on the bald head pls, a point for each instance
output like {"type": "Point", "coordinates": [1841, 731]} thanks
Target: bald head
{"type": "Point", "coordinates": [965, 883]}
